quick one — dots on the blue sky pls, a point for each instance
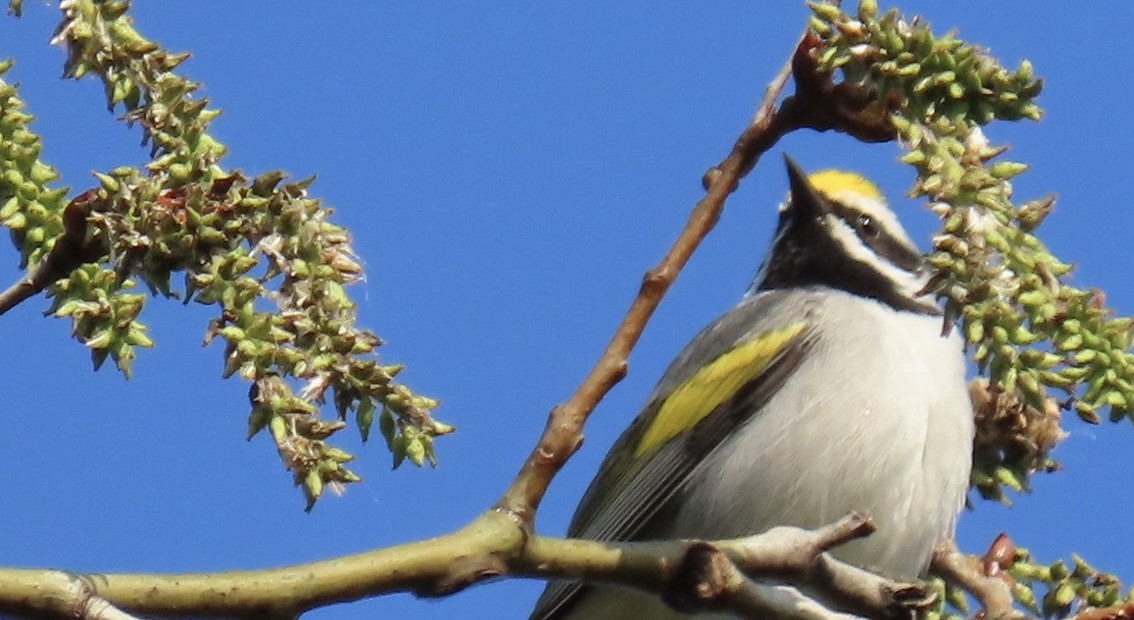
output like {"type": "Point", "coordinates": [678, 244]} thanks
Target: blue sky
{"type": "Point", "coordinates": [509, 172]}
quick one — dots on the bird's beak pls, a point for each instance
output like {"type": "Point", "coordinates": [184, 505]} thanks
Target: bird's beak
{"type": "Point", "coordinates": [806, 203]}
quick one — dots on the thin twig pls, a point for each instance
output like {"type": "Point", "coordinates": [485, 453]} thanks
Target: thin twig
{"type": "Point", "coordinates": [563, 434]}
{"type": "Point", "coordinates": [697, 576]}
{"type": "Point", "coordinates": [819, 104]}
{"type": "Point", "coordinates": [804, 561]}
{"type": "Point", "coordinates": [719, 585]}
{"type": "Point", "coordinates": [71, 249]}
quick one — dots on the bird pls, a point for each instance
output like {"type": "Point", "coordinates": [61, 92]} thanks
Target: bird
{"type": "Point", "coordinates": [834, 385]}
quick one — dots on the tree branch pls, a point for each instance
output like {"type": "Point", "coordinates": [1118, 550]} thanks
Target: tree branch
{"type": "Point", "coordinates": [986, 582]}
{"type": "Point", "coordinates": [72, 248]}
{"type": "Point", "coordinates": [694, 575]}
{"type": "Point", "coordinates": [55, 594]}
{"type": "Point", "coordinates": [563, 433]}
{"type": "Point", "coordinates": [819, 104]}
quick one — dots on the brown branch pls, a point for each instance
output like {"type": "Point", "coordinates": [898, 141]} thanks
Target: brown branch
{"type": "Point", "coordinates": [71, 249]}
{"type": "Point", "coordinates": [981, 577]}
{"type": "Point", "coordinates": [819, 104]}
{"type": "Point", "coordinates": [564, 431]}
{"type": "Point", "coordinates": [1121, 611]}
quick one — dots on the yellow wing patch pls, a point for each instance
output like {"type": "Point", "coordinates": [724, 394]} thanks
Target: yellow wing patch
{"type": "Point", "coordinates": [831, 182]}
{"type": "Point", "coordinates": [716, 382]}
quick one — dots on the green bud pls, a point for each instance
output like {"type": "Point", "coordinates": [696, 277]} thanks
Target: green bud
{"type": "Point", "coordinates": [819, 27]}
{"type": "Point", "coordinates": [1069, 342]}
{"type": "Point", "coordinates": [1064, 595]}
{"type": "Point", "coordinates": [1086, 413]}
{"type": "Point", "coordinates": [15, 221]}
{"type": "Point", "coordinates": [364, 417]}
{"type": "Point", "coordinates": [980, 355]}
{"type": "Point", "coordinates": [940, 260]}
{"type": "Point", "coordinates": [395, 401]}
{"type": "Point", "coordinates": [910, 69]}
{"type": "Point", "coordinates": [415, 451]}
{"type": "Point", "coordinates": [337, 455]}
{"type": "Point", "coordinates": [828, 12]}
{"type": "Point", "coordinates": [999, 335]}
{"type": "Point", "coordinates": [1006, 169]}
{"type": "Point", "coordinates": [1117, 400]}
{"type": "Point", "coordinates": [913, 158]}
{"type": "Point", "coordinates": [180, 173]}
{"type": "Point", "coordinates": [867, 10]}
{"type": "Point", "coordinates": [1008, 380]}
{"type": "Point", "coordinates": [35, 235]}
{"type": "Point", "coordinates": [42, 174]}
{"type": "Point", "coordinates": [387, 426]}
{"type": "Point", "coordinates": [1074, 374]}
{"type": "Point", "coordinates": [257, 420]}
{"type": "Point", "coordinates": [101, 340]}
{"type": "Point", "coordinates": [1026, 73]}
{"type": "Point", "coordinates": [398, 450]}
{"type": "Point", "coordinates": [441, 428]}
{"type": "Point", "coordinates": [923, 84]}
{"type": "Point", "coordinates": [974, 331]}
{"type": "Point", "coordinates": [1009, 478]}
{"type": "Point", "coordinates": [1030, 386]}
{"type": "Point", "coordinates": [312, 487]}
{"type": "Point", "coordinates": [392, 370]}
{"type": "Point", "coordinates": [278, 426]}
{"type": "Point", "coordinates": [957, 598]}
{"type": "Point", "coordinates": [1025, 596]}
{"type": "Point", "coordinates": [136, 336]}
{"type": "Point", "coordinates": [1022, 335]}
{"type": "Point", "coordinates": [10, 208]}
{"type": "Point", "coordinates": [894, 43]}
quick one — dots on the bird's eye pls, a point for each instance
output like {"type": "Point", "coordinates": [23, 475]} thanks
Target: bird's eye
{"type": "Point", "coordinates": [867, 226]}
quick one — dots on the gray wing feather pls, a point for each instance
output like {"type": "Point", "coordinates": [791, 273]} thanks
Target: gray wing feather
{"type": "Point", "coordinates": [630, 492]}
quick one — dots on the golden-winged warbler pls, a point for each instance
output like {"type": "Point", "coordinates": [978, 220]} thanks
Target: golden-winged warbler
{"type": "Point", "coordinates": [828, 389]}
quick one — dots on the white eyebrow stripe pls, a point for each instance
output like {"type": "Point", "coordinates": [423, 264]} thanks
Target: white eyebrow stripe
{"type": "Point", "coordinates": [877, 210]}
{"type": "Point", "coordinates": [909, 283]}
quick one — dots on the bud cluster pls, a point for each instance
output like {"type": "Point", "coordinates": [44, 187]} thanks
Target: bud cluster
{"type": "Point", "coordinates": [260, 250]}
{"type": "Point", "coordinates": [1027, 328]}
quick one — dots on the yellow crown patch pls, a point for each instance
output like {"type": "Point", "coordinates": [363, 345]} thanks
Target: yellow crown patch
{"type": "Point", "coordinates": [831, 182]}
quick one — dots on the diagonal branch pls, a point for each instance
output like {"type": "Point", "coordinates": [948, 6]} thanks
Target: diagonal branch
{"type": "Point", "coordinates": [819, 104]}
{"type": "Point", "coordinates": [564, 431]}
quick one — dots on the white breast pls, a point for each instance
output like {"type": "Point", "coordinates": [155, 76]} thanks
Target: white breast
{"type": "Point", "coordinates": [877, 418]}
